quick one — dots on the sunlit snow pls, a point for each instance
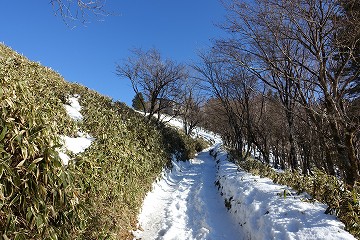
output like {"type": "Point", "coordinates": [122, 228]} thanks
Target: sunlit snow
{"type": "Point", "coordinates": [73, 108]}
{"type": "Point", "coordinates": [186, 204]}
{"type": "Point", "coordinates": [263, 211]}
{"type": "Point", "coordinates": [77, 144]}
{"type": "Point", "coordinates": [83, 140]}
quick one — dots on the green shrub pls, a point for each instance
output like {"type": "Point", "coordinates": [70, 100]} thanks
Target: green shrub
{"type": "Point", "coordinates": [118, 169]}
{"type": "Point", "coordinates": [99, 194]}
{"type": "Point", "coordinates": [200, 144]}
{"type": "Point", "coordinates": [179, 144]}
{"type": "Point", "coordinates": [37, 197]}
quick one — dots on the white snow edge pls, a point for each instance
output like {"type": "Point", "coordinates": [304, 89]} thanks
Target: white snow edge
{"type": "Point", "coordinates": [260, 209]}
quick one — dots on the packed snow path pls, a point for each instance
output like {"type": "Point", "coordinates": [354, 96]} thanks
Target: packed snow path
{"type": "Point", "coordinates": [186, 205]}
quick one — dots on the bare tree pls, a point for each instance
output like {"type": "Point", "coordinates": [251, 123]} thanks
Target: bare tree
{"type": "Point", "coordinates": [259, 48]}
{"type": "Point", "coordinates": [157, 79]}
{"type": "Point", "coordinates": [73, 10]}
{"type": "Point", "coordinates": [233, 87]}
{"type": "Point", "coordinates": [191, 107]}
{"type": "Point", "coordinates": [347, 23]}
{"type": "Point", "coordinates": [292, 46]}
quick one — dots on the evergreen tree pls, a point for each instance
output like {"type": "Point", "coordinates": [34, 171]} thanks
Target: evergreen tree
{"type": "Point", "coordinates": [138, 102]}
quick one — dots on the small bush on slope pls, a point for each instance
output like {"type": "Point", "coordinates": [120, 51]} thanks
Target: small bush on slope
{"type": "Point", "coordinates": [181, 144]}
{"type": "Point", "coordinates": [98, 194]}
{"type": "Point", "coordinates": [322, 187]}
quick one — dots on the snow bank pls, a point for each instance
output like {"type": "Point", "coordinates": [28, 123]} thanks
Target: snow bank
{"type": "Point", "coordinates": [83, 140]}
{"type": "Point", "coordinates": [263, 211]}
{"type": "Point", "coordinates": [197, 132]}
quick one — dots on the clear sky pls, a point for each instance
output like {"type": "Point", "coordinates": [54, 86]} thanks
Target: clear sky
{"type": "Point", "coordinates": [88, 54]}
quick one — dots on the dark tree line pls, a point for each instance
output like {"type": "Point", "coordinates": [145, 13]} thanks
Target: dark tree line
{"type": "Point", "coordinates": [287, 83]}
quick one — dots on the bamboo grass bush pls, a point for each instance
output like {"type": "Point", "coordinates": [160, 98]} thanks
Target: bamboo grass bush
{"type": "Point", "coordinates": [183, 146]}
{"type": "Point", "coordinates": [99, 193]}
{"type": "Point", "coordinates": [37, 198]}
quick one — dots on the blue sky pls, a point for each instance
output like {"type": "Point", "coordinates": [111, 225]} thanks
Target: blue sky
{"type": "Point", "coordinates": [88, 54]}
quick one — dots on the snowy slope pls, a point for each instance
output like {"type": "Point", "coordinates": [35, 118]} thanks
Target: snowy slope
{"type": "Point", "coordinates": [263, 212]}
{"type": "Point", "coordinates": [189, 203]}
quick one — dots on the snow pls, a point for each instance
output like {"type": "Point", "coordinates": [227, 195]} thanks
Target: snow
{"type": "Point", "coordinates": [83, 140]}
{"type": "Point", "coordinates": [197, 132]}
{"type": "Point", "coordinates": [175, 122]}
{"type": "Point", "coordinates": [73, 108]}
{"type": "Point", "coordinates": [64, 157]}
{"type": "Point", "coordinates": [185, 203]}
{"type": "Point", "coordinates": [262, 212]}
{"type": "Point", "coordinates": [77, 144]}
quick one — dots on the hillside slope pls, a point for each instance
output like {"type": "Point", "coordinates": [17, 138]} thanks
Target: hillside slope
{"type": "Point", "coordinates": [99, 193]}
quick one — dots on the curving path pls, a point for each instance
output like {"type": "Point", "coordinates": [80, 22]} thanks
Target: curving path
{"type": "Point", "coordinates": [185, 204]}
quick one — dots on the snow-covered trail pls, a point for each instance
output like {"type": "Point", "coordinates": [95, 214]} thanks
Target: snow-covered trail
{"type": "Point", "coordinates": [185, 204]}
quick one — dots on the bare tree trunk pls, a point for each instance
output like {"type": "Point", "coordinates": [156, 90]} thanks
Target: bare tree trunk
{"type": "Point", "coordinates": [349, 138]}
{"type": "Point", "coordinates": [345, 153]}
{"type": "Point", "coordinates": [293, 155]}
